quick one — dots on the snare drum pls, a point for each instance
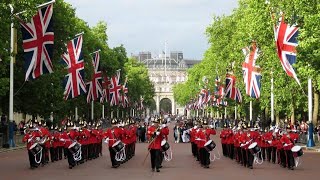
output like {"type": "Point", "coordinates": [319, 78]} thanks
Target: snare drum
{"type": "Point", "coordinates": [297, 151]}
{"type": "Point", "coordinates": [254, 148]}
{"type": "Point", "coordinates": [74, 147]}
{"type": "Point", "coordinates": [164, 145]}
{"type": "Point", "coordinates": [117, 146]}
{"type": "Point", "coordinates": [210, 145]}
{"type": "Point", "coordinates": [35, 148]}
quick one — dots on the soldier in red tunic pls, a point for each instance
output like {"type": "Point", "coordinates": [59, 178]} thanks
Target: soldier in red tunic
{"type": "Point", "coordinates": [154, 147]}
{"type": "Point", "coordinates": [112, 135]}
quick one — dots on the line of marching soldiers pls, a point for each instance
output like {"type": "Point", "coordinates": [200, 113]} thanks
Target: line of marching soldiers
{"type": "Point", "coordinates": [201, 145]}
{"type": "Point", "coordinates": [56, 143]}
{"type": "Point", "coordinates": [77, 144]}
{"type": "Point", "coordinates": [274, 145]}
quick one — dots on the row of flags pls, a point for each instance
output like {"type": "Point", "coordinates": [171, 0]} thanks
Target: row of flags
{"type": "Point", "coordinates": [286, 42]}
{"type": "Point", "coordinates": [38, 40]}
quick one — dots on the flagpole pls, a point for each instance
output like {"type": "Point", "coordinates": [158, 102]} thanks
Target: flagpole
{"type": "Point", "coordinates": [102, 111]}
{"type": "Point", "coordinates": [12, 59]}
{"type": "Point", "coordinates": [235, 112]}
{"type": "Point", "coordinates": [272, 102]}
{"type": "Point", "coordinates": [225, 113]}
{"type": "Point", "coordinates": [92, 110]}
{"type": "Point", "coordinates": [76, 113]}
{"type": "Point", "coordinates": [165, 59]}
{"type": "Point", "coordinates": [310, 130]}
{"type": "Point", "coordinates": [250, 111]}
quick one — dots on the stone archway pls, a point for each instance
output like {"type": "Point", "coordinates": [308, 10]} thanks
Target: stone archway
{"type": "Point", "coordinates": [166, 106]}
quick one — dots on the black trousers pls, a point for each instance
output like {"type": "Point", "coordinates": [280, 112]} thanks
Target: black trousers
{"type": "Point", "coordinates": [194, 149]}
{"type": "Point", "coordinates": [60, 149]}
{"type": "Point", "coordinates": [53, 154]}
{"type": "Point", "coordinates": [155, 158]}
{"type": "Point", "coordinates": [263, 153]}
{"type": "Point", "coordinates": [65, 152]}
{"type": "Point", "coordinates": [224, 149]}
{"type": "Point", "coordinates": [283, 158]}
{"type": "Point", "coordinates": [244, 157]}
{"type": "Point", "coordinates": [71, 161]}
{"type": "Point", "coordinates": [290, 158]}
{"type": "Point", "coordinates": [205, 157]}
{"type": "Point", "coordinates": [250, 158]}
{"type": "Point", "coordinates": [273, 154]}
{"type": "Point", "coordinates": [268, 151]}
{"type": "Point", "coordinates": [239, 155]}
{"type": "Point", "coordinates": [32, 159]}
{"type": "Point", "coordinates": [231, 151]}
{"type": "Point", "coordinates": [114, 162]}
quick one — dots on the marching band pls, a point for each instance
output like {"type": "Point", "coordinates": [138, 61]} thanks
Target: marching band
{"type": "Point", "coordinates": [78, 144]}
{"type": "Point", "coordinates": [253, 146]}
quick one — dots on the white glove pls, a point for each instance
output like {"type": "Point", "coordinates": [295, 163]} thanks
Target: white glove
{"type": "Point", "coordinates": [38, 138]}
{"type": "Point", "coordinates": [163, 125]}
{"type": "Point", "coordinates": [106, 141]}
{"type": "Point", "coordinates": [29, 140]}
{"type": "Point", "coordinates": [157, 133]}
{"type": "Point", "coordinates": [285, 145]}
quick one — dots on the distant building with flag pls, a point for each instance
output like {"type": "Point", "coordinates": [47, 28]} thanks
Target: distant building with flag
{"type": "Point", "coordinates": [165, 70]}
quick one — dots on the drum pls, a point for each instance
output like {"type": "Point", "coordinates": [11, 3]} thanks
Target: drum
{"type": "Point", "coordinates": [117, 146]}
{"type": "Point", "coordinates": [35, 148]}
{"type": "Point", "coordinates": [164, 145]}
{"type": "Point", "coordinates": [297, 151]}
{"type": "Point", "coordinates": [254, 148]}
{"type": "Point", "coordinates": [210, 145]}
{"type": "Point", "coordinates": [74, 147]}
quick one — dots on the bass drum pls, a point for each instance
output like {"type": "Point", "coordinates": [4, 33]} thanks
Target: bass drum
{"type": "Point", "coordinates": [297, 151]}
{"type": "Point", "coordinates": [210, 145]}
{"type": "Point", "coordinates": [74, 147]}
{"type": "Point", "coordinates": [164, 145]}
{"type": "Point", "coordinates": [117, 146]}
{"type": "Point", "coordinates": [254, 148]}
{"type": "Point", "coordinates": [35, 148]}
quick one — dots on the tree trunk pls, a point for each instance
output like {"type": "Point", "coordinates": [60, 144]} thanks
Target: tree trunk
{"type": "Point", "coordinates": [277, 119]}
{"type": "Point", "coordinates": [292, 114]}
{"type": "Point", "coordinates": [315, 108]}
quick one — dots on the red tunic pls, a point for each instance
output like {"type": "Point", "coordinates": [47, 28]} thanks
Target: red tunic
{"type": "Point", "coordinates": [156, 142]}
{"type": "Point", "coordinates": [113, 134]}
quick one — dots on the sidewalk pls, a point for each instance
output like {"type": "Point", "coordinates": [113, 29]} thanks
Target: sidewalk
{"type": "Point", "coordinates": [3, 150]}
{"type": "Point", "coordinates": [316, 148]}
{"type": "Point", "coordinates": [18, 142]}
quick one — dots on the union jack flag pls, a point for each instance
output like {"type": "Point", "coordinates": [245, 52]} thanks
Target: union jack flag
{"type": "Point", "coordinates": [124, 97]}
{"type": "Point", "coordinates": [38, 38]}
{"type": "Point", "coordinates": [251, 72]}
{"type": "Point", "coordinates": [114, 90]}
{"type": "Point", "coordinates": [232, 91]}
{"type": "Point", "coordinates": [73, 58]}
{"type": "Point", "coordinates": [94, 86]}
{"type": "Point", "coordinates": [230, 84]}
{"type": "Point", "coordinates": [105, 93]}
{"type": "Point", "coordinates": [286, 42]}
{"type": "Point", "coordinates": [216, 84]}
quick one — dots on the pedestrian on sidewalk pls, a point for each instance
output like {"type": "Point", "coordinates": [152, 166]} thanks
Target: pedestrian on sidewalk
{"type": "Point", "coordinates": [12, 132]}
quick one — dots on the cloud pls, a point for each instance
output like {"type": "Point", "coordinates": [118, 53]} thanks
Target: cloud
{"type": "Point", "coordinates": [147, 24]}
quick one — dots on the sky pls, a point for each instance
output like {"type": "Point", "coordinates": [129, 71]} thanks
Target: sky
{"type": "Point", "coordinates": [146, 25]}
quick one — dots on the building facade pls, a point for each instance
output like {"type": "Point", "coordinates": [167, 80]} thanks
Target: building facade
{"type": "Point", "coordinates": [166, 70]}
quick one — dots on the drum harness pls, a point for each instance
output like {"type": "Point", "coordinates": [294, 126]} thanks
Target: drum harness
{"type": "Point", "coordinates": [167, 154]}
{"type": "Point", "coordinates": [211, 154]}
{"type": "Point", "coordinates": [35, 155]}
{"type": "Point", "coordinates": [255, 156]}
{"type": "Point", "coordinates": [121, 155]}
{"type": "Point", "coordinates": [77, 156]}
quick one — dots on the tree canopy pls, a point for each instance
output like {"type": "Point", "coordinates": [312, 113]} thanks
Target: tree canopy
{"type": "Point", "coordinates": [45, 94]}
